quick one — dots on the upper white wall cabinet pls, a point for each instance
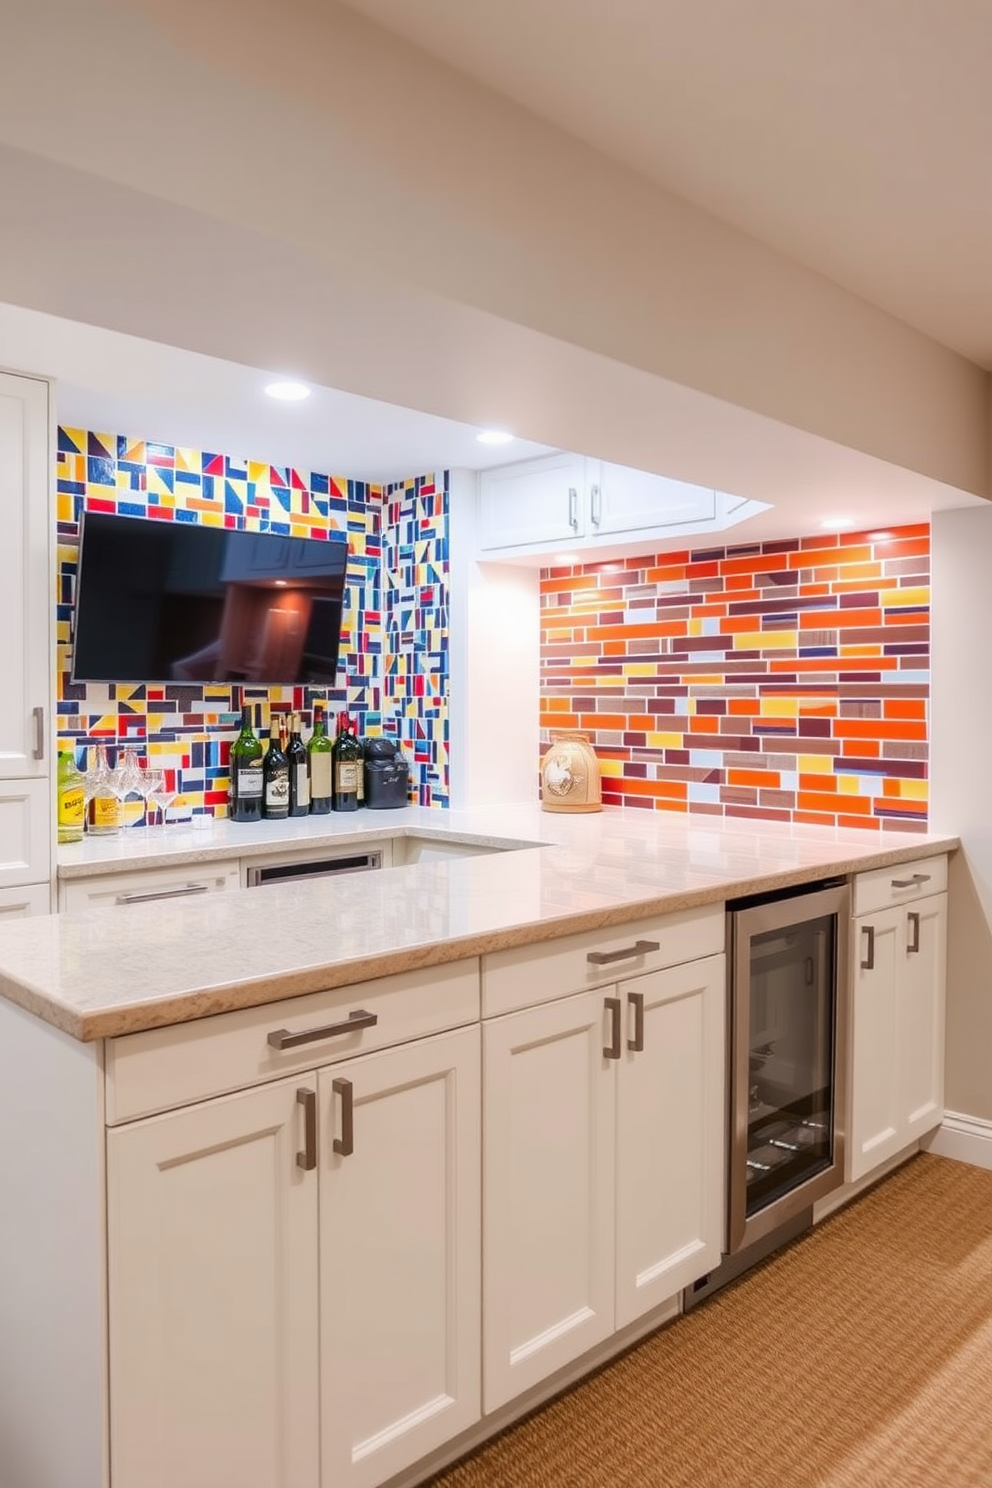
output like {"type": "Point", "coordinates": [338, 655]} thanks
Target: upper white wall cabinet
{"type": "Point", "coordinates": [566, 501]}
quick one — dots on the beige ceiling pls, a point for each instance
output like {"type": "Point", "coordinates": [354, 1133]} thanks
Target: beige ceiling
{"type": "Point", "coordinates": [853, 135]}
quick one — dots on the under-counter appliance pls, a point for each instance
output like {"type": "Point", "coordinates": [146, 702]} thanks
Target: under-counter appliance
{"type": "Point", "coordinates": [356, 862]}
{"type": "Point", "coordinates": [788, 992]}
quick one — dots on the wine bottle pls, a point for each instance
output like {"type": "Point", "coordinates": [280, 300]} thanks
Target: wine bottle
{"type": "Point", "coordinates": [361, 764]}
{"type": "Point", "coordinates": [299, 771]}
{"type": "Point", "coordinates": [246, 772]}
{"type": "Point", "coordinates": [319, 750]}
{"type": "Point", "coordinates": [275, 777]}
{"type": "Point", "coordinates": [72, 799]}
{"type": "Point", "coordinates": [347, 763]}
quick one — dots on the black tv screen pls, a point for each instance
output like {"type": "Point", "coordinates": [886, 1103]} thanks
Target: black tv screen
{"type": "Point", "coordinates": [167, 601]}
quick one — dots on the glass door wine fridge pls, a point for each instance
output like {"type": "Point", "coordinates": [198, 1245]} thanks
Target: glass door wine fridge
{"type": "Point", "coordinates": [789, 1009]}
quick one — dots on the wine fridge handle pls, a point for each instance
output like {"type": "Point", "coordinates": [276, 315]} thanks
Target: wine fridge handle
{"type": "Point", "coordinates": [345, 1143]}
{"type": "Point", "coordinates": [636, 1044]}
{"type": "Point", "coordinates": [869, 958]}
{"type": "Point", "coordinates": [307, 1159]}
{"type": "Point", "coordinates": [281, 1038]}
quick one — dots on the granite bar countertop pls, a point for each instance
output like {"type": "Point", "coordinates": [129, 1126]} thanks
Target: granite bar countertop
{"type": "Point", "coordinates": [100, 973]}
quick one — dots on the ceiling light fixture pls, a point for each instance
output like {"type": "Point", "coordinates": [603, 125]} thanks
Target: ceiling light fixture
{"type": "Point", "coordinates": [494, 436]}
{"type": "Point", "coordinates": [288, 392]}
{"type": "Point", "coordinates": [834, 524]}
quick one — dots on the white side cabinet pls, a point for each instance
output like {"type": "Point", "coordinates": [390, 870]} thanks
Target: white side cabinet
{"type": "Point", "coordinates": [603, 1151]}
{"type": "Point", "coordinates": [898, 987]}
{"type": "Point", "coordinates": [25, 621]}
{"type": "Point", "coordinates": [294, 1269]}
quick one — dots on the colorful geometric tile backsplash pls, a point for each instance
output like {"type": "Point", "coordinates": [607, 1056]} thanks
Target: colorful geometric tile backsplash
{"type": "Point", "coordinates": [785, 680]}
{"type": "Point", "coordinates": [393, 662]}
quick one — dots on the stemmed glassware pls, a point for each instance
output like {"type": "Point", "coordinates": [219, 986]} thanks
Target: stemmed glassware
{"type": "Point", "coordinates": [163, 787]}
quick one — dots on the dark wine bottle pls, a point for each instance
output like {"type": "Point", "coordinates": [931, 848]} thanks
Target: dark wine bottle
{"type": "Point", "coordinates": [319, 751]}
{"type": "Point", "coordinates": [361, 764]}
{"type": "Point", "coordinates": [275, 777]}
{"type": "Point", "coordinates": [347, 761]}
{"type": "Point", "coordinates": [246, 772]}
{"type": "Point", "coordinates": [299, 771]}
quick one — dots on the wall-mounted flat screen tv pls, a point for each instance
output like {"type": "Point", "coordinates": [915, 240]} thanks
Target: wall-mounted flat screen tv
{"type": "Point", "coordinates": [167, 601]}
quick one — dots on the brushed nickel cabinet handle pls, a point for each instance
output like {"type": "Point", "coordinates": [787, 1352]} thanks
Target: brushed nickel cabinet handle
{"type": "Point", "coordinates": [307, 1159]}
{"type": "Point", "coordinates": [869, 960]}
{"type": "Point", "coordinates": [914, 920]}
{"type": "Point", "coordinates": [345, 1144]}
{"type": "Point", "coordinates": [612, 1049]}
{"type": "Point", "coordinates": [573, 508]}
{"type": "Point", "coordinates": [38, 714]}
{"type": "Point", "coordinates": [911, 883]}
{"type": "Point", "coordinates": [639, 948]}
{"type": "Point", "coordinates": [595, 505]}
{"type": "Point", "coordinates": [281, 1038]}
{"type": "Point", "coordinates": [636, 1000]}
{"type": "Point", "coordinates": [149, 894]}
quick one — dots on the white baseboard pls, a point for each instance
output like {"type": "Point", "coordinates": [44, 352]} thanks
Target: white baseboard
{"type": "Point", "coordinates": [964, 1138]}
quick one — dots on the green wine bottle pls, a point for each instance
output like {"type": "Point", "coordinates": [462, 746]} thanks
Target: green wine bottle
{"type": "Point", "coordinates": [347, 766]}
{"type": "Point", "coordinates": [246, 772]}
{"type": "Point", "coordinates": [319, 750]}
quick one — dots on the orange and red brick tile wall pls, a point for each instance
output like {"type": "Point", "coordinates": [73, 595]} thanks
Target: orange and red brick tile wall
{"type": "Point", "coordinates": [785, 680]}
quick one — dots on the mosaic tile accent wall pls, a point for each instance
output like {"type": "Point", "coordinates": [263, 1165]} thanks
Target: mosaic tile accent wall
{"type": "Point", "coordinates": [415, 642]}
{"type": "Point", "coordinates": [190, 727]}
{"type": "Point", "coordinates": [782, 680]}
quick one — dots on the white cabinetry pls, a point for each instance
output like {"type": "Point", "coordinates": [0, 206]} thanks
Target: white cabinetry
{"type": "Point", "coordinates": [294, 1269]}
{"type": "Point", "coordinates": [898, 985]}
{"type": "Point", "coordinates": [25, 621]}
{"type": "Point", "coordinates": [565, 500]}
{"type": "Point", "coordinates": [603, 1152]}
{"type": "Point", "coordinates": [105, 889]}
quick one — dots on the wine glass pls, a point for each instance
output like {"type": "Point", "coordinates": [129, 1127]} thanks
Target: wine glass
{"type": "Point", "coordinates": [134, 779]}
{"type": "Point", "coordinates": [162, 791]}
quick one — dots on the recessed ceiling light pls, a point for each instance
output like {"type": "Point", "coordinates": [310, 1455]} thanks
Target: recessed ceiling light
{"type": "Point", "coordinates": [833, 524]}
{"type": "Point", "coordinates": [494, 436]}
{"type": "Point", "coordinates": [288, 392]}
{"type": "Point", "coordinates": [565, 560]}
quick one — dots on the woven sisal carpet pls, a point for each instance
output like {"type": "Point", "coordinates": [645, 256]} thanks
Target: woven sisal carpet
{"type": "Point", "coordinates": [861, 1355]}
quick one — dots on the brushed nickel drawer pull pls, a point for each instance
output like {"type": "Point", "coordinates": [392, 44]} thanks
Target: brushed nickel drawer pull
{"type": "Point", "coordinates": [914, 920]}
{"type": "Point", "coordinates": [573, 508]}
{"type": "Point", "coordinates": [307, 1159]}
{"type": "Point", "coordinates": [345, 1143]}
{"type": "Point", "coordinates": [148, 895]}
{"type": "Point", "coordinates": [636, 1044]}
{"type": "Point", "coordinates": [639, 948]}
{"type": "Point", "coordinates": [612, 1049]}
{"type": "Point", "coordinates": [281, 1038]}
{"type": "Point", "coordinates": [595, 505]}
{"type": "Point", "coordinates": [869, 961]}
{"type": "Point", "coordinates": [38, 714]}
{"type": "Point", "coordinates": [911, 883]}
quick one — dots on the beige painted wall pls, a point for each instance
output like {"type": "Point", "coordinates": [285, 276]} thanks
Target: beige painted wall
{"type": "Point", "coordinates": [961, 790]}
{"type": "Point", "coordinates": [297, 138]}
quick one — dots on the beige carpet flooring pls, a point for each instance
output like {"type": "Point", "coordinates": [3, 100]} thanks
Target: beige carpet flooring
{"type": "Point", "coordinates": [861, 1355]}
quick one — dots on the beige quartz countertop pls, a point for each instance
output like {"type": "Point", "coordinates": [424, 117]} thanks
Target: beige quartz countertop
{"type": "Point", "coordinates": [105, 972]}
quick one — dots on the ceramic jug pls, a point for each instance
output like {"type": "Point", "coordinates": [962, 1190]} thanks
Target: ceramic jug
{"type": "Point", "coordinates": [570, 776]}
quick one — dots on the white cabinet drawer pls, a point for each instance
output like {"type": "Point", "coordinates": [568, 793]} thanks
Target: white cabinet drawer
{"type": "Point", "coordinates": [153, 883]}
{"type": "Point", "coordinates": [899, 884]}
{"type": "Point", "coordinates": [533, 974]}
{"type": "Point", "coordinates": [19, 904]}
{"type": "Point", "coordinates": [166, 1067]}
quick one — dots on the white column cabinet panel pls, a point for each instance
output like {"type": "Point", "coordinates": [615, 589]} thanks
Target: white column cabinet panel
{"type": "Point", "coordinates": [25, 832]}
{"type": "Point", "coordinates": [548, 1162]}
{"type": "Point", "coordinates": [399, 1255]}
{"type": "Point", "coordinates": [212, 1248]}
{"type": "Point", "coordinates": [923, 998]}
{"type": "Point", "coordinates": [670, 1134]}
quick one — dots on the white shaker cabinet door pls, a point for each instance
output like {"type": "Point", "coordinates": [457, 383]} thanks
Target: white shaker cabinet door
{"type": "Point", "coordinates": [876, 1126]}
{"type": "Point", "coordinates": [548, 1174]}
{"type": "Point", "coordinates": [213, 1303]}
{"type": "Point", "coordinates": [25, 578]}
{"type": "Point", "coordinates": [399, 1255]}
{"type": "Point", "coordinates": [25, 832]}
{"type": "Point", "coordinates": [922, 1015]}
{"type": "Point", "coordinates": [670, 1134]}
